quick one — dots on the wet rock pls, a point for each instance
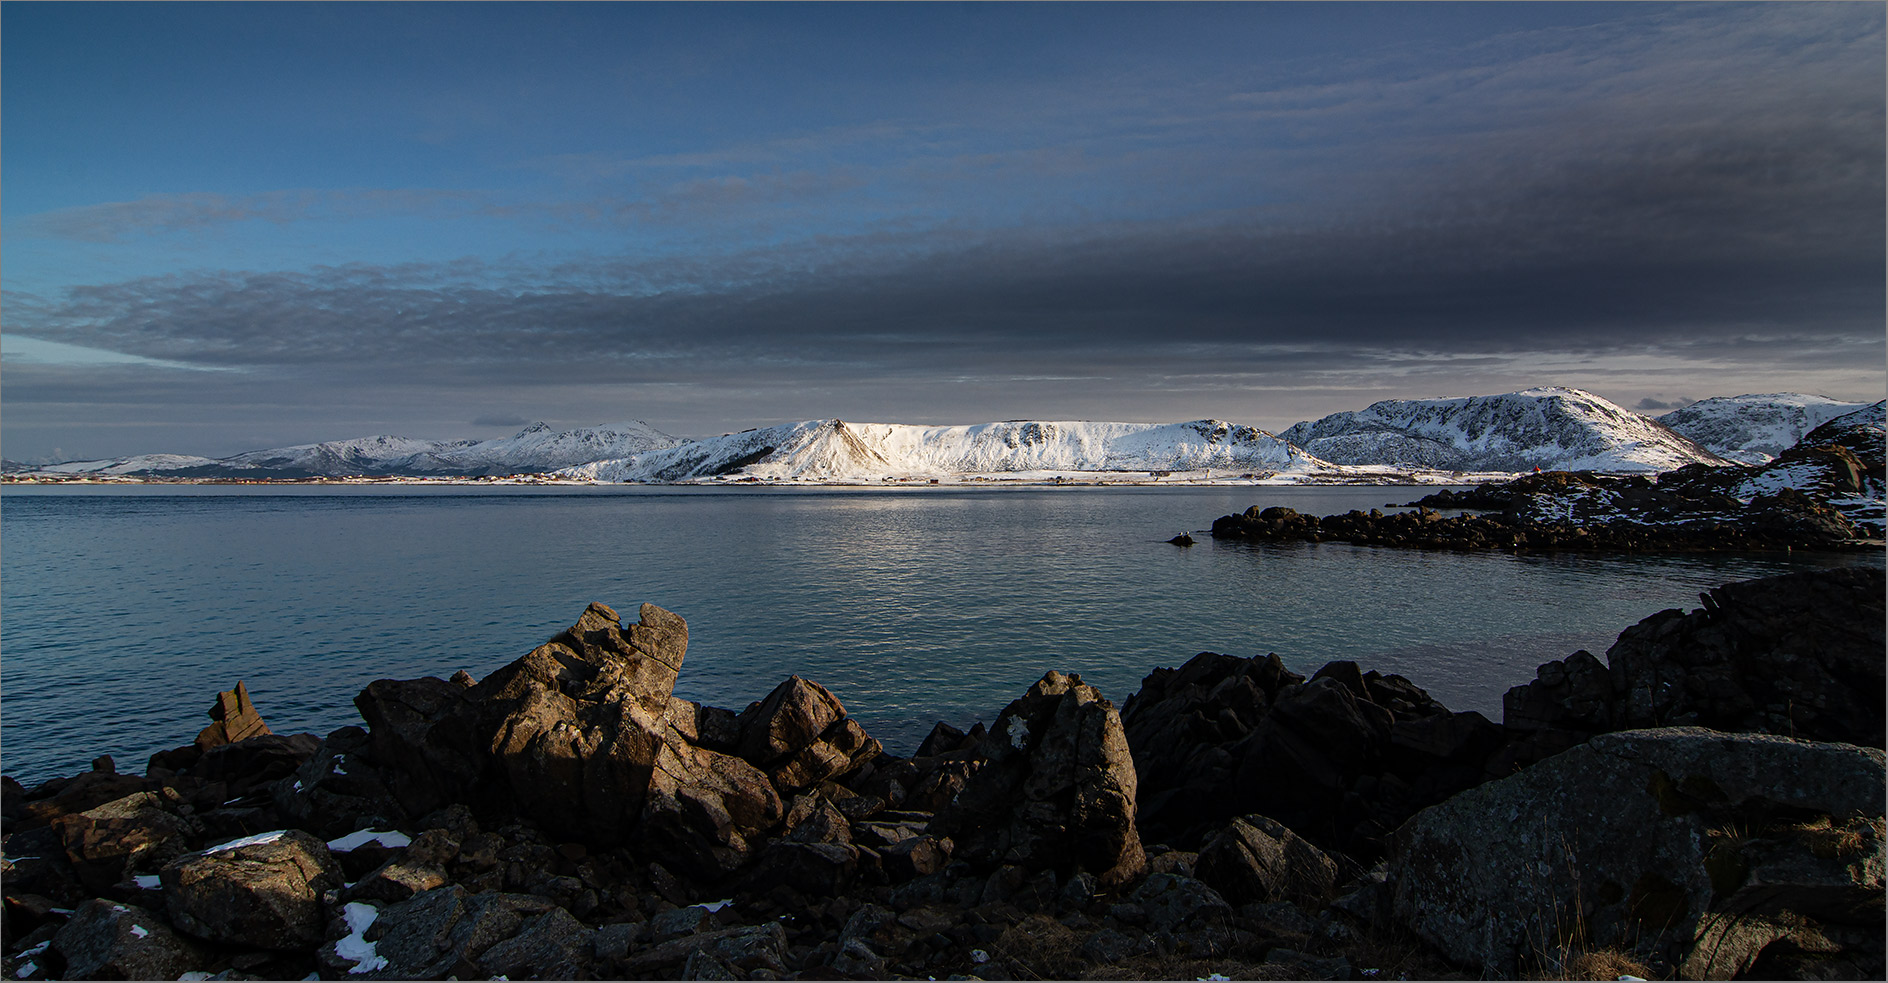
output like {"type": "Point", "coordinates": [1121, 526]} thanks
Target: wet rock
{"type": "Point", "coordinates": [104, 940]}
{"type": "Point", "coordinates": [1058, 790]}
{"type": "Point", "coordinates": [1255, 859]}
{"type": "Point", "coordinates": [264, 895]}
{"type": "Point", "coordinates": [1651, 840]}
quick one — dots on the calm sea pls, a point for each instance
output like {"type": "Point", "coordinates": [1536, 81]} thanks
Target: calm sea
{"type": "Point", "coordinates": [123, 610]}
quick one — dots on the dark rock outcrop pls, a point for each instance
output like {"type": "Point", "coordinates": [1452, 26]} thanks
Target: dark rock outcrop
{"type": "Point", "coordinates": [1256, 860]}
{"type": "Point", "coordinates": [1694, 848]}
{"type": "Point", "coordinates": [104, 940]}
{"type": "Point", "coordinates": [265, 894]}
{"type": "Point", "coordinates": [1798, 655]}
{"type": "Point", "coordinates": [1057, 791]}
{"type": "Point", "coordinates": [1341, 759]}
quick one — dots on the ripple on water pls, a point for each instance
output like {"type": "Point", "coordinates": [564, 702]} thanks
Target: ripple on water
{"type": "Point", "coordinates": [126, 610]}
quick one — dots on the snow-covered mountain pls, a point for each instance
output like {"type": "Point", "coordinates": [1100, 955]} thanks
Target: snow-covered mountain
{"type": "Point", "coordinates": [1551, 428]}
{"type": "Point", "coordinates": [1754, 428]}
{"type": "Point", "coordinates": [141, 464]}
{"type": "Point", "coordinates": [535, 449]}
{"type": "Point", "coordinates": [836, 449]}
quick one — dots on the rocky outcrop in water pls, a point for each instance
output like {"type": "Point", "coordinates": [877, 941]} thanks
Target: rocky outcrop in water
{"type": "Point", "coordinates": [568, 817]}
{"type": "Point", "coordinates": [1798, 655]}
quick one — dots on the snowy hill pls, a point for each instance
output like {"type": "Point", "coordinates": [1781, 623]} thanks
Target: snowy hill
{"type": "Point", "coordinates": [1754, 428]}
{"type": "Point", "coordinates": [141, 464]}
{"type": "Point", "coordinates": [537, 448]}
{"type": "Point", "coordinates": [1550, 428]}
{"type": "Point", "coordinates": [835, 449]}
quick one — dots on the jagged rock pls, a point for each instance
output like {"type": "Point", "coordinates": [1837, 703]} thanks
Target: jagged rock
{"type": "Point", "coordinates": [136, 832]}
{"type": "Point", "coordinates": [801, 736]}
{"type": "Point", "coordinates": [1058, 790]}
{"type": "Point", "coordinates": [338, 789]}
{"type": "Point", "coordinates": [583, 736]}
{"type": "Point", "coordinates": [395, 880]}
{"type": "Point", "coordinates": [705, 809]}
{"type": "Point", "coordinates": [547, 946]}
{"type": "Point", "coordinates": [818, 869]}
{"type": "Point", "coordinates": [1256, 859]}
{"type": "Point", "coordinates": [1797, 655]}
{"type": "Point", "coordinates": [1695, 848]}
{"type": "Point", "coordinates": [234, 718]}
{"type": "Point", "coordinates": [108, 941]}
{"type": "Point", "coordinates": [447, 932]}
{"type": "Point", "coordinates": [425, 739]}
{"type": "Point", "coordinates": [744, 947]}
{"type": "Point", "coordinates": [1171, 902]}
{"type": "Point", "coordinates": [88, 790]}
{"type": "Point", "coordinates": [265, 894]}
{"type": "Point", "coordinates": [244, 765]}
{"type": "Point", "coordinates": [1181, 723]}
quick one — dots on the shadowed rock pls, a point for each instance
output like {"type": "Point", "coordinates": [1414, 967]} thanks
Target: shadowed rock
{"type": "Point", "coordinates": [1058, 790]}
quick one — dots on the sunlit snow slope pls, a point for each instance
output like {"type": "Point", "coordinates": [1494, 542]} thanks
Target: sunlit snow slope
{"type": "Point", "coordinates": [836, 449]}
{"type": "Point", "coordinates": [1754, 428]}
{"type": "Point", "coordinates": [1551, 428]}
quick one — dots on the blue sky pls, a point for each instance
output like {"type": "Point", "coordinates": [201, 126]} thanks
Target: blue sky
{"type": "Point", "coordinates": [246, 225]}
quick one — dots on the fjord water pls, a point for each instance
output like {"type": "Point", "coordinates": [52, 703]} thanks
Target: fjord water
{"type": "Point", "coordinates": [124, 609]}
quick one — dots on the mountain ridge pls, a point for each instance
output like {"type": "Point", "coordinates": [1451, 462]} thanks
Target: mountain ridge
{"type": "Point", "coordinates": [1551, 428]}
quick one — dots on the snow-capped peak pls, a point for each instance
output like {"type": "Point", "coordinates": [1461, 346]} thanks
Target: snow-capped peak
{"type": "Point", "coordinates": [1551, 427]}
{"type": "Point", "coordinates": [1755, 427]}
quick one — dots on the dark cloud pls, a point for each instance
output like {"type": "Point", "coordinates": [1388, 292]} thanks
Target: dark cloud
{"type": "Point", "coordinates": [1690, 199]}
{"type": "Point", "coordinates": [500, 421]}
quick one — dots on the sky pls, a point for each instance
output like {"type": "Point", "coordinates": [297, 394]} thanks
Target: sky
{"type": "Point", "coordinates": [229, 227]}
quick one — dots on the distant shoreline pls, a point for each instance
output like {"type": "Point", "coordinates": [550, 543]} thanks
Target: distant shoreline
{"type": "Point", "coordinates": [1139, 479]}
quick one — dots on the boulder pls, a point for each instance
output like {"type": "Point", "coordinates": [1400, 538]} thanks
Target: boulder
{"type": "Point", "coordinates": [107, 841]}
{"type": "Point", "coordinates": [1057, 791]}
{"type": "Point", "coordinates": [242, 766]}
{"type": "Point", "coordinates": [107, 941]}
{"type": "Point", "coordinates": [338, 789]}
{"type": "Point", "coordinates": [1695, 849]}
{"type": "Point", "coordinates": [747, 948]}
{"type": "Point", "coordinates": [1256, 859]}
{"type": "Point", "coordinates": [583, 737]}
{"type": "Point", "coordinates": [449, 931]}
{"type": "Point", "coordinates": [264, 892]}
{"type": "Point", "coordinates": [801, 736]}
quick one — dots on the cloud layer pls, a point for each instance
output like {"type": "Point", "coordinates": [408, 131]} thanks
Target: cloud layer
{"type": "Point", "coordinates": [1688, 198]}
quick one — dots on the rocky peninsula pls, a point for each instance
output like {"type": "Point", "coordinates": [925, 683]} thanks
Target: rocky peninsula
{"type": "Point", "coordinates": [1707, 802]}
{"type": "Point", "coordinates": [1825, 493]}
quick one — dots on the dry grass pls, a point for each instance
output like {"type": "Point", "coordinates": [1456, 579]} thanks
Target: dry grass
{"type": "Point", "coordinates": [1040, 948]}
{"type": "Point", "coordinates": [1185, 968]}
{"type": "Point", "coordinates": [1603, 964]}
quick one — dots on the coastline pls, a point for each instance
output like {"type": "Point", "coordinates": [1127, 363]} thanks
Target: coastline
{"type": "Point", "coordinates": [1230, 817]}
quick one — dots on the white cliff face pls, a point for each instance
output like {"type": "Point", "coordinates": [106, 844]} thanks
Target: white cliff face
{"type": "Point", "coordinates": [837, 449]}
{"type": "Point", "coordinates": [1550, 428]}
{"type": "Point", "coordinates": [1754, 428]}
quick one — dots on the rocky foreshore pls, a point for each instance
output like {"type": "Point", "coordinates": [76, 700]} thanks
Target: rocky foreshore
{"type": "Point", "coordinates": [1825, 493]}
{"type": "Point", "coordinates": [1707, 802]}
